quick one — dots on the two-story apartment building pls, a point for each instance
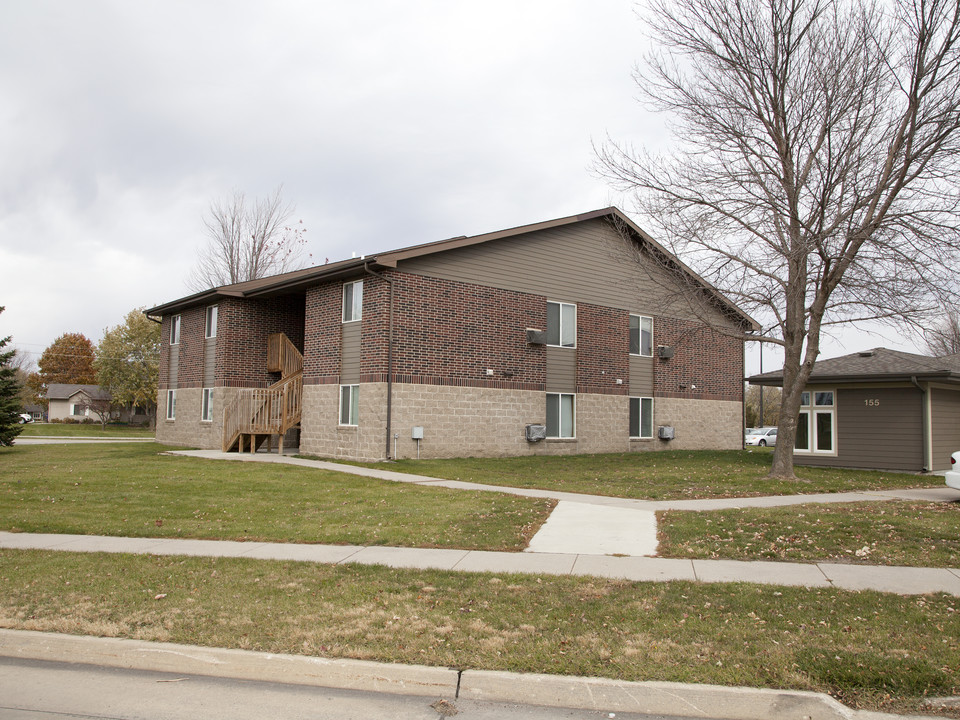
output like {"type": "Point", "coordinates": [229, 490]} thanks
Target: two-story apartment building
{"type": "Point", "coordinates": [566, 336]}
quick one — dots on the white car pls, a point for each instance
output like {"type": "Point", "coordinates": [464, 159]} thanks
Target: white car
{"type": "Point", "coordinates": [953, 474]}
{"type": "Point", "coordinates": [762, 437]}
{"type": "Point", "coordinates": [25, 418]}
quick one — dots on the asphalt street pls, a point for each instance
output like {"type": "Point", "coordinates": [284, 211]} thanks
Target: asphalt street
{"type": "Point", "coordinates": [39, 690]}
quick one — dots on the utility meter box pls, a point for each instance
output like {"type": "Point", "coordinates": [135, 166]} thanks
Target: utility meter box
{"type": "Point", "coordinates": [417, 433]}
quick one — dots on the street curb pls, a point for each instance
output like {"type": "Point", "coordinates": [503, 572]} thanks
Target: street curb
{"type": "Point", "coordinates": [228, 663]}
{"type": "Point", "coordinates": [583, 693]}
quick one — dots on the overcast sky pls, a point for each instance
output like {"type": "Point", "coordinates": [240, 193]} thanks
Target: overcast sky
{"type": "Point", "coordinates": [386, 123]}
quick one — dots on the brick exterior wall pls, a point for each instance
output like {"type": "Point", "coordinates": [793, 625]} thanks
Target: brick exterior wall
{"type": "Point", "coordinates": [702, 356]}
{"type": "Point", "coordinates": [450, 333]}
{"type": "Point", "coordinates": [242, 330]}
{"type": "Point", "coordinates": [164, 373]}
{"type": "Point", "coordinates": [603, 350]}
{"type": "Point", "coordinates": [321, 349]}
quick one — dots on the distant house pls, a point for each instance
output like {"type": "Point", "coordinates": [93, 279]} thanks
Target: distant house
{"type": "Point", "coordinates": [560, 337]}
{"type": "Point", "coordinates": [879, 409]}
{"type": "Point", "coordinates": [35, 412]}
{"type": "Point", "coordinates": [68, 401]}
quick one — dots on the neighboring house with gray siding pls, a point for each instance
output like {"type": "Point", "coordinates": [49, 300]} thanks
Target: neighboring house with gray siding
{"type": "Point", "coordinates": [880, 409]}
{"type": "Point", "coordinates": [566, 336]}
{"type": "Point", "coordinates": [68, 401]}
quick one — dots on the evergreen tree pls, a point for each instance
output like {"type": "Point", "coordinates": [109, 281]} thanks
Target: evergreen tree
{"type": "Point", "coordinates": [9, 395]}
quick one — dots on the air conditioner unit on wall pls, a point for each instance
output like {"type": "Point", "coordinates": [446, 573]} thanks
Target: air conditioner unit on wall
{"type": "Point", "coordinates": [664, 351]}
{"type": "Point", "coordinates": [536, 337]}
{"type": "Point", "coordinates": [536, 433]}
{"type": "Point", "coordinates": [665, 432]}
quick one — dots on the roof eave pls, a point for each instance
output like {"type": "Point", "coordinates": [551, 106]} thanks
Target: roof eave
{"type": "Point", "coordinates": [777, 380]}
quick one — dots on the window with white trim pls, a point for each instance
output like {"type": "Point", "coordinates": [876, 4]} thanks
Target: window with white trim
{"type": "Point", "coordinates": [641, 335]}
{"type": "Point", "coordinates": [78, 409]}
{"type": "Point", "coordinates": [210, 323]}
{"type": "Point", "coordinates": [171, 404]}
{"type": "Point", "coordinates": [641, 417]}
{"type": "Point", "coordinates": [349, 404]}
{"type": "Point", "coordinates": [816, 424]}
{"type": "Point", "coordinates": [561, 324]}
{"type": "Point", "coordinates": [206, 405]}
{"type": "Point", "coordinates": [175, 330]}
{"type": "Point", "coordinates": [561, 415]}
{"type": "Point", "coordinates": [352, 301]}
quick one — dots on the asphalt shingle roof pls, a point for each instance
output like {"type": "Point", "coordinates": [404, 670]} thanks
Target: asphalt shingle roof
{"type": "Point", "coordinates": [876, 363]}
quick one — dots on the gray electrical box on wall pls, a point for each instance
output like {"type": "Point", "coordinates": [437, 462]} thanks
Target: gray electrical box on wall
{"type": "Point", "coordinates": [535, 433]}
{"type": "Point", "coordinates": [417, 433]}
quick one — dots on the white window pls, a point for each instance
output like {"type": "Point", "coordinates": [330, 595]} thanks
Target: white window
{"type": "Point", "coordinates": [210, 325]}
{"type": "Point", "coordinates": [206, 405]}
{"type": "Point", "coordinates": [561, 415]}
{"type": "Point", "coordinates": [171, 404]}
{"type": "Point", "coordinates": [349, 404]}
{"type": "Point", "coordinates": [77, 409]}
{"type": "Point", "coordinates": [175, 330]}
{"type": "Point", "coordinates": [641, 335]}
{"type": "Point", "coordinates": [816, 424]}
{"type": "Point", "coordinates": [641, 417]}
{"type": "Point", "coordinates": [561, 324]}
{"type": "Point", "coordinates": [353, 301]}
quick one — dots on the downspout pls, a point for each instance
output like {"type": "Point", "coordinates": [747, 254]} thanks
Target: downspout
{"type": "Point", "coordinates": [924, 424]}
{"type": "Point", "coordinates": [366, 267]}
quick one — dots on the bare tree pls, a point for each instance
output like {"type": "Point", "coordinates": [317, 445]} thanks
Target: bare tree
{"type": "Point", "coordinates": [102, 406]}
{"type": "Point", "coordinates": [944, 337]}
{"type": "Point", "coordinates": [814, 177]}
{"type": "Point", "coordinates": [248, 240]}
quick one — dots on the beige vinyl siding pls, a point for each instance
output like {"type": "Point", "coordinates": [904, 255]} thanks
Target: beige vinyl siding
{"type": "Point", "coordinates": [209, 361]}
{"type": "Point", "coordinates": [564, 262]}
{"type": "Point", "coordinates": [945, 426]}
{"type": "Point", "coordinates": [641, 376]}
{"type": "Point", "coordinates": [887, 435]}
{"type": "Point", "coordinates": [173, 366]}
{"type": "Point", "coordinates": [561, 374]}
{"type": "Point", "coordinates": [350, 354]}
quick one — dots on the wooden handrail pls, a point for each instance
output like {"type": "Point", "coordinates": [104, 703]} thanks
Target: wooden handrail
{"type": "Point", "coordinates": [263, 411]}
{"type": "Point", "coordinates": [283, 356]}
{"type": "Point", "coordinates": [272, 410]}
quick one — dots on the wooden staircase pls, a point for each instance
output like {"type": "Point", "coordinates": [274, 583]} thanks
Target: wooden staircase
{"type": "Point", "coordinates": [257, 414]}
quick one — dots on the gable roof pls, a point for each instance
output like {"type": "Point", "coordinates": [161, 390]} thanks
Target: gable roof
{"type": "Point", "coordinates": [298, 280]}
{"type": "Point", "coordinates": [65, 391]}
{"type": "Point", "coordinates": [877, 365]}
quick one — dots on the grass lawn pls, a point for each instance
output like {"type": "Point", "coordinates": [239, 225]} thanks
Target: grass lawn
{"type": "Point", "coordinates": [661, 475]}
{"type": "Point", "coordinates": [84, 430]}
{"type": "Point", "coordinates": [132, 490]}
{"type": "Point", "coordinates": [872, 650]}
{"type": "Point", "coordinates": [888, 533]}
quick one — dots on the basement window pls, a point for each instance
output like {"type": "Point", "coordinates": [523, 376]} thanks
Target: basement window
{"type": "Point", "coordinates": [349, 404]}
{"type": "Point", "coordinates": [561, 415]}
{"type": "Point", "coordinates": [206, 405]}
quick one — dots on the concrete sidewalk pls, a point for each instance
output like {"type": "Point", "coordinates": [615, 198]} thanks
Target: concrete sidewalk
{"type": "Point", "coordinates": [591, 524]}
{"type": "Point", "coordinates": [938, 494]}
{"type": "Point", "coordinates": [899, 580]}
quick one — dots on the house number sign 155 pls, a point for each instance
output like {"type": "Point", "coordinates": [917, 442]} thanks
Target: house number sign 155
{"type": "Point", "coordinates": [871, 402]}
